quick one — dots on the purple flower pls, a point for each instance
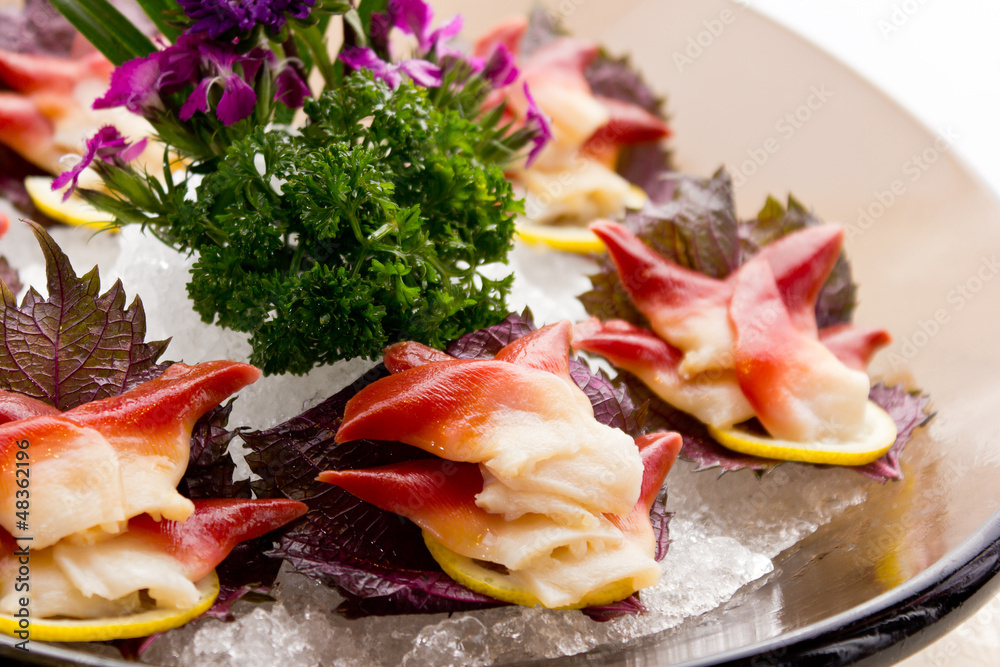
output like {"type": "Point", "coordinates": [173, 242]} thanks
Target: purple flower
{"type": "Point", "coordinates": [135, 85]}
{"type": "Point", "coordinates": [499, 69]}
{"type": "Point", "coordinates": [220, 16]}
{"type": "Point", "coordinates": [424, 73]}
{"type": "Point", "coordinates": [109, 145]}
{"type": "Point", "coordinates": [414, 17]}
{"type": "Point", "coordinates": [290, 89]}
{"type": "Point", "coordinates": [543, 129]}
{"type": "Point", "coordinates": [219, 67]}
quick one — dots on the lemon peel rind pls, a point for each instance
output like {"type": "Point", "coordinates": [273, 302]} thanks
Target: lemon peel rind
{"type": "Point", "coordinates": [570, 239]}
{"type": "Point", "coordinates": [141, 624]}
{"type": "Point", "coordinates": [882, 430]}
{"type": "Point", "coordinates": [75, 211]}
{"type": "Point", "coordinates": [480, 579]}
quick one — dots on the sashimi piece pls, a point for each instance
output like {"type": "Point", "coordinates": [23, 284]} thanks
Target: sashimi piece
{"type": "Point", "coordinates": [583, 192]}
{"type": "Point", "coordinates": [409, 354]}
{"type": "Point", "coordinates": [73, 474]}
{"type": "Point", "coordinates": [547, 350]}
{"type": "Point", "coordinates": [440, 497]}
{"type": "Point", "coordinates": [558, 564]}
{"type": "Point", "coordinates": [215, 528]}
{"type": "Point", "coordinates": [689, 309]}
{"type": "Point", "coordinates": [18, 406]}
{"type": "Point", "coordinates": [628, 123]}
{"type": "Point", "coordinates": [24, 128]}
{"type": "Point", "coordinates": [30, 73]}
{"type": "Point", "coordinates": [801, 263]}
{"type": "Point", "coordinates": [854, 346]}
{"type": "Point", "coordinates": [686, 308]}
{"type": "Point", "coordinates": [659, 452]}
{"type": "Point", "coordinates": [150, 429]}
{"type": "Point", "coordinates": [97, 465]}
{"type": "Point", "coordinates": [165, 558]}
{"type": "Point", "coordinates": [518, 421]}
{"type": "Point", "coordinates": [508, 33]}
{"type": "Point", "coordinates": [799, 390]}
{"type": "Point", "coordinates": [714, 397]}
{"type": "Point", "coordinates": [51, 593]}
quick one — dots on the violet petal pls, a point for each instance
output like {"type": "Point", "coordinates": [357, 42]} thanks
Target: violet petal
{"type": "Point", "coordinates": [238, 100]}
{"type": "Point", "coordinates": [535, 116]}
{"type": "Point", "coordinates": [197, 100]}
{"type": "Point", "coordinates": [290, 89]}
{"type": "Point", "coordinates": [425, 73]}
{"type": "Point", "coordinates": [134, 85]}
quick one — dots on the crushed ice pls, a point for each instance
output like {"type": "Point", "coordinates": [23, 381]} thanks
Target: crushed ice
{"type": "Point", "coordinates": [725, 532]}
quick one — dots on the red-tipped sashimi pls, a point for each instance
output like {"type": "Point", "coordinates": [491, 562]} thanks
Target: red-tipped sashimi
{"type": "Point", "coordinates": [166, 558]}
{"type": "Point", "coordinates": [628, 124]}
{"type": "Point", "coordinates": [854, 346]}
{"type": "Point", "coordinates": [409, 354]}
{"type": "Point", "coordinates": [508, 33]}
{"type": "Point", "coordinates": [150, 429]}
{"type": "Point", "coordinates": [75, 479]}
{"type": "Point", "coordinates": [659, 452]}
{"type": "Point", "coordinates": [686, 308]}
{"type": "Point", "coordinates": [215, 528]}
{"type": "Point", "coordinates": [18, 406]}
{"type": "Point", "coordinates": [546, 349]}
{"type": "Point", "coordinates": [25, 129]}
{"type": "Point", "coordinates": [801, 263]}
{"type": "Point", "coordinates": [31, 73]}
{"type": "Point", "coordinates": [799, 390]}
{"type": "Point", "coordinates": [713, 397]}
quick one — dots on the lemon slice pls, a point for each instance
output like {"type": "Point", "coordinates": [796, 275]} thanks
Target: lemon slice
{"type": "Point", "coordinates": [878, 436]}
{"type": "Point", "coordinates": [493, 581]}
{"type": "Point", "coordinates": [572, 239]}
{"type": "Point", "coordinates": [140, 624]}
{"type": "Point", "coordinates": [73, 211]}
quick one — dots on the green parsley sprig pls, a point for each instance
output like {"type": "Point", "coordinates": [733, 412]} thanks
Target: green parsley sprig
{"type": "Point", "coordinates": [369, 226]}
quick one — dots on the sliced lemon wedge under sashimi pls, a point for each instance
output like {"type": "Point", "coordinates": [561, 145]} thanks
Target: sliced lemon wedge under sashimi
{"type": "Point", "coordinates": [570, 238]}
{"type": "Point", "coordinates": [73, 211]}
{"type": "Point", "coordinates": [876, 438]}
{"type": "Point", "coordinates": [140, 624]}
{"type": "Point", "coordinates": [492, 580]}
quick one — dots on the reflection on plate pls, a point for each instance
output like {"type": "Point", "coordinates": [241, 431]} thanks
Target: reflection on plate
{"type": "Point", "coordinates": [923, 241]}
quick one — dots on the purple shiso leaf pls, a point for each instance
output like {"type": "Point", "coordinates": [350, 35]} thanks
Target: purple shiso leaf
{"type": "Point", "coordinates": [210, 468]}
{"type": "Point", "coordinates": [9, 276]}
{"type": "Point", "coordinates": [609, 612]}
{"type": "Point", "coordinates": [909, 411]}
{"type": "Point", "coordinates": [485, 343]}
{"type": "Point", "coordinates": [77, 345]}
{"type": "Point", "coordinates": [376, 558]}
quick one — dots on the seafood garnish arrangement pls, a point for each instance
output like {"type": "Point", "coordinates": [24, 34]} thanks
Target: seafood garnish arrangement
{"type": "Point", "coordinates": [482, 461]}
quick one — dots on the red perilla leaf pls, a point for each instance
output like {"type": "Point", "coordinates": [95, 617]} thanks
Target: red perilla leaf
{"type": "Point", "coordinates": [77, 345]}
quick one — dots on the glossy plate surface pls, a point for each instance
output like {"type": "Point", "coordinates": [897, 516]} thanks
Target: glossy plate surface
{"type": "Point", "coordinates": [888, 576]}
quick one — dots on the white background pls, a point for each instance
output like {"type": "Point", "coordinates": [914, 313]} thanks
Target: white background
{"type": "Point", "coordinates": [941, 61]}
